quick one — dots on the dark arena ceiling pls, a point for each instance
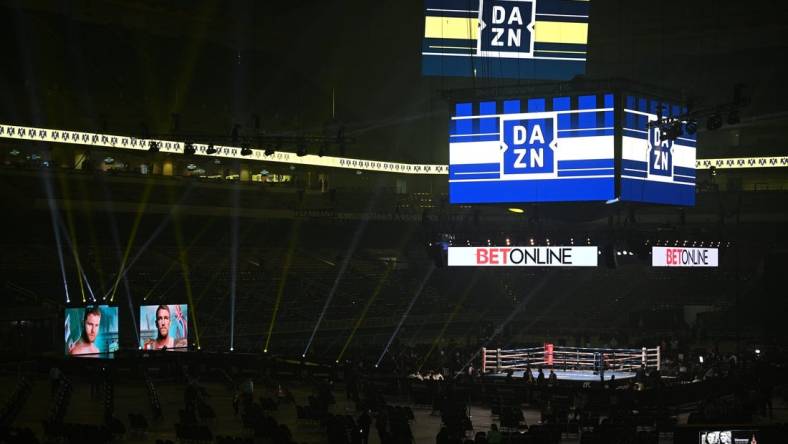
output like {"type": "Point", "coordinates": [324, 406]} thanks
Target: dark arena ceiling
{"type": "Point", "coordinates": [87, 65]}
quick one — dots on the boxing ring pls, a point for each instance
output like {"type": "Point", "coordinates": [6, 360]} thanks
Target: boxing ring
{"type": "Point", "coordinates": [570, 363]}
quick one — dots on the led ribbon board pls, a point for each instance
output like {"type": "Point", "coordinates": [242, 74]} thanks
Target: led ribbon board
{"type": "Point", "coordinates": [114, 141]}
{"type": "Point", "coordinates": [536, 150]}
{"type": "Point", "coordinates": [653, 168]}
{"type": "Point", "coordinates": [522, 256]}
{"type": "Point", "coordinates": [684, 257]}
{"type": "Point", "coordinates": [526, 39]}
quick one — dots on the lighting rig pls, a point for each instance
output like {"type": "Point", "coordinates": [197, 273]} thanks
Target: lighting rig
{"type": "Point", "coordinates": [673, 127]}
{"type": "Point", "coordinates": [333, 137]}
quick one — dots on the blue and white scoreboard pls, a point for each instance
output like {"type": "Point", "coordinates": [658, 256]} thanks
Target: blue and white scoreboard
{"type": "Point", "coordinates": [593, 147]}
{"type": "Point", "coordinates": [526, 39]}
{"type": "Point", "coordinates": [535, 150]}
{"type": "Point", "coordinates": [655, 169]}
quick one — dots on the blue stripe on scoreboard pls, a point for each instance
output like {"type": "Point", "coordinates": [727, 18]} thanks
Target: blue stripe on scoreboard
{"type": "Point", "coordinates": [654, 169]}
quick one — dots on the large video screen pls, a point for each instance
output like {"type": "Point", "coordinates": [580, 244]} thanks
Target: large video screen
{"type": "Point", "coordinates": [655, 169]}
{"type": "Point", "coordinates": [731, 437]}
{"type": "Point", "coordinates": [91, 331]}
{"type": "Point", "coordinates": [536, 150]}
{"type": "Point", "coordinates": [164, 327]}
{"type": "Point", "coordinates": [525, 39]}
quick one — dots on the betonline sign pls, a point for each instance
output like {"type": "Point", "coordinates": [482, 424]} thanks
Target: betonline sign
{"type": "Point", "coordinates": [683, 257]}
{"type": "Point", "coordinates": [522, 256]}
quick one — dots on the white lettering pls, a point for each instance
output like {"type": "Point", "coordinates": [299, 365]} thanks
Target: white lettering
{"type": "Point", "coordinates": [684, 257]}
{"type": "Point", "coordinates": [515, 35]}
{"type": "Point", "coordinates": [536, 134]}
{"type": "Point", "coordinates": [519, 135]}
{"type": "Point", "coordinates": [496, 41]}
{"type": "Point", "coordinates": [660, 160]}
{"type": "Point", "coordinates": [518, 163]}
{"type": "Point", "coordinates": [498, 14]}
{"type": "Point", "coordinates": [537, 156]}
{"type": "Point", "coordinates": [516, 17]}
{"type": "Point", "coordinates": [523, 256]}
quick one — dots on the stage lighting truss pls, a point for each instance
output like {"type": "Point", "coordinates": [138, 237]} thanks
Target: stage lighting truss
{"type": "Point", "coordinates": [671, 130]}
{"type": "Point", "coordinates": [673, 127]}
{"type": "Point", "coordinates": [104, 141]}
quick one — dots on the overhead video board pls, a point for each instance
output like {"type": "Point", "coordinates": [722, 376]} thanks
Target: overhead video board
{"type": "Point", "coordinates": [536, 150]}
{"type": "Point", "coordinates": [655, 169]}
{"type": "Point", "coordinates": [526, 39]}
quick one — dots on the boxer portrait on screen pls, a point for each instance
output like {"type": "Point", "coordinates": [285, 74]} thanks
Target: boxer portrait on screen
{"type": "Point", "coordinates": [163, 339]}
{"type": "Point", "coordinates": [90, 328]}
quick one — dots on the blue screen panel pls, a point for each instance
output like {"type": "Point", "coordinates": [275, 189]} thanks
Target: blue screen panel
{"type": "Point", "coordinates": [534, 150]}
{"type": "Point", "coordinates": [655, 169]}
{"type": "Point", "coordinates": [526, 39]}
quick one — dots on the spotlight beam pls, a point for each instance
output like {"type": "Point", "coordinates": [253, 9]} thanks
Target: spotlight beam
{"type": "Point", "coordinates": [236, 195]}
{"type": "Point", "coordinates": [342, 268]}
{"type": "Point", "coordinates": [113, 224]}
{"type": "Point", "coordinates": [364, 311]}
{"type": "Point", "coordinates": [75, 254]}
{"type": "Point", "coordinates": [140, 211]}
{"type": "Point", "coordinates": [632, 287]}
{"type": "Point", "coordinates": [419, 289]}
{"type": "Point", "coordinates": [282, 281]}
{"type": "Point", "coordinates": [218, 269]}
{"type": "Point", "coordinates": [94, 243]}
{"type": "Point", "coordinates": [55, 229]}
{"type": "Point", "coordinates": [542, 282]}
{"type": "Point", "coordinates": [474, 279]}
{"type": "Point", "coordinates": [59, 224]}
{"type": "Point", "coordinates": [577, 283]}
{"type": "Point", "coordinates": [345, 261]}
{"type": "Point", "coordinates": [375, 293]}
{"type": "Point", "coordinates": [124, 269]}
{"type": "Point", "coordinates": [184, 260]}
{"type": "Point", "coordinates": [71, 235]}
{"type": "Point", "coordinates": [175, 261]}
{"type": "Point", "coordinates": [210, 284]}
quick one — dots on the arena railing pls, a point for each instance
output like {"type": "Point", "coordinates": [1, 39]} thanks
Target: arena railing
{"type": "Point", "coordinates": [574, 358]}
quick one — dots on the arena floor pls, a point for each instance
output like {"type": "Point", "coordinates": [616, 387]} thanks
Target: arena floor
{"type": "Point", "coordinates": [131, 397]}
